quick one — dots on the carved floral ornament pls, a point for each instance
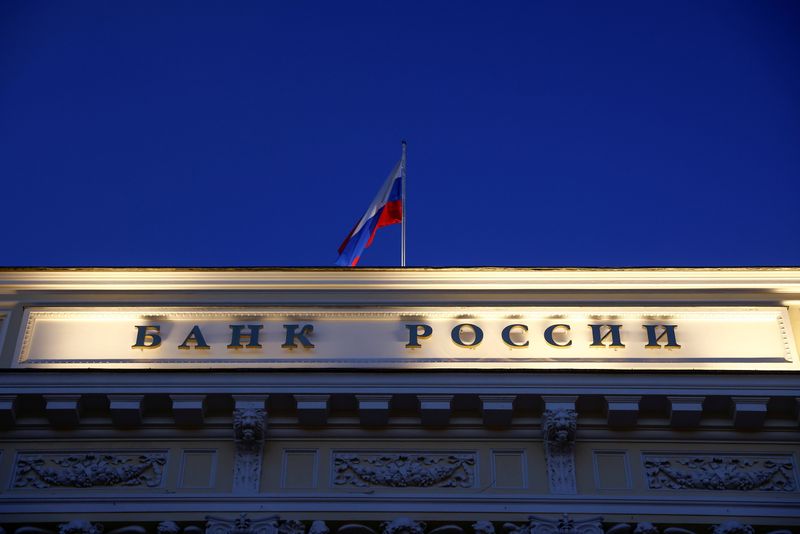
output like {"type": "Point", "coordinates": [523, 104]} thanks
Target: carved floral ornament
{"type": "Point", "coordinates": [402, 470]}
{"type": "Point", "coordinates": [720, 473]}
{"type": "Point", "coordinates": [86, 470]}
{"type": "Point", "coordinates": [243, 524]}
{"type": "Point", "coordinates": [563, 525]}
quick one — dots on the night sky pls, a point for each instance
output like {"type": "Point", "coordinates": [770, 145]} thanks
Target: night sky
{"type": "Point", "coordinates": [539, 133]}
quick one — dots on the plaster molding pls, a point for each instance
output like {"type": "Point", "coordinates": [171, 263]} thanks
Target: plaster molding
{"type": "Point", "coordinates": [449, 506]}
{"type": "Point", "coordinates": [403, 525]}
{"type": "Point", "coordinates": [564, 525]}
{"type": "Point", "coordinates": [483, 527]}
{"type": "Point", "coordinates": [79, 526]}
{"type": "Point", "coordinates": [242, 525]}
{"type": "Point", "coordinates": [318, 527]}
{"type": "Point", "coordinates": [89, 469]}
{"type": "Point", "coordinates": [558, 428]}
{"type": "Point", "coordinates": [720, 472]}
{"type": "Point", "coordinates": [245, 525]}
{"type": "Point", "coordinates": [412, 469]}
{"type": "Point", "coordinates": [732, 527]}
{"type": "Point", "coordinates": [400, 525]}
{"type": "Point", "coordinates": [368, 382]}
{"type": "Point", "coordinates": [167, 527]}
{"type": "Point", "coordinates": [249, 428]}
{"type": "Point", "coordinates": [780, 280]}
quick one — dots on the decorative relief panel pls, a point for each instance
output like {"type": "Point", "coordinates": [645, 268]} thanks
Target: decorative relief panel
{"type": "Point", "coordinates": [89, 469]}
{"type": "Point", "coordinates": [417, 469]}
{"type": "Point", "coordinates": [245, 525]}
{"type": "Point", "coordinates": [564, 525]}
{"type": "Point", "coordinates": [721, 472]}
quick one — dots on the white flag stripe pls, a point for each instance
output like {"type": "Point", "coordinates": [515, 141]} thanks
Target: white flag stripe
{"type": "Point", "coordinates": [380, 198]}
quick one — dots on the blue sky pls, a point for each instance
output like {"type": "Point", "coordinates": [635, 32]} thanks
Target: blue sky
{"type": "Point", "coordinates": [539, 133]}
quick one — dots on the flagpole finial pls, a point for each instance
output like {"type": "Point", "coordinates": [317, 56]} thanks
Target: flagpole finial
{"type": "Point", "coordinates": [403, 142]}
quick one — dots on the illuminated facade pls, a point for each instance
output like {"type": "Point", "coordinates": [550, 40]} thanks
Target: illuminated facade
{"type": "Point", "coordinates": [388, 401]}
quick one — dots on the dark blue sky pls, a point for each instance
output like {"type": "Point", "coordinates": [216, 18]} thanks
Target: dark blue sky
{"type": "Point", "coordinates": [540, 134]}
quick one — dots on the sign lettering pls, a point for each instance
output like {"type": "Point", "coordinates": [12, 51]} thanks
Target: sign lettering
{"type": "Point", "coordinates": [457, 338]}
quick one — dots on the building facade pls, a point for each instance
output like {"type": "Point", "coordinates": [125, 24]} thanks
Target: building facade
{"type": "Point", "coordinates": [388, 401]}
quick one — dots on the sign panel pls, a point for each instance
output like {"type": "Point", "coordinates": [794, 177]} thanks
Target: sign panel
{"type": "Point", "coordinates": [443, 338]}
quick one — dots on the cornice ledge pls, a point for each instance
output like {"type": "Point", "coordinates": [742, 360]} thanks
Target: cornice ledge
{"type": "Point", "coordinates": [778, 280]}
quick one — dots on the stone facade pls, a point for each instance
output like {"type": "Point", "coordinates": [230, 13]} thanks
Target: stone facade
{"type": "Point", "coordinates": [124, 449]}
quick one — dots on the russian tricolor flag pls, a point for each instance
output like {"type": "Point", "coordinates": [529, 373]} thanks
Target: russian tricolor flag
{"type": "Point", "coordinates": [386, 209]}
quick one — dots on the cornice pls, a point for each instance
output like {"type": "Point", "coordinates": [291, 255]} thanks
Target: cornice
{"type": "Point", "coordinates": [366, 382]}
{"type": "Point", "coordinates": [769, 280]}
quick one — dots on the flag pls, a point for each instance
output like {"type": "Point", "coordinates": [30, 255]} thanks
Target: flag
{"type": "Point", "coordinates": [385, 209]}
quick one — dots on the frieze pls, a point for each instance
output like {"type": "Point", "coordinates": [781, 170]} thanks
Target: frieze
{"type": "Point", "coordinates": [89, 469]}
{"type": "Point", "coordinates": [243, 524]}
{"type": "Point", "coordinates": [404, 469]}
{"type": "Point", "coordinates": [721, 472]}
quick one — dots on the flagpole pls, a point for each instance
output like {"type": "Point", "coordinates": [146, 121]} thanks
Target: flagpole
{"type": "Point", "coordinates": [403, 226]}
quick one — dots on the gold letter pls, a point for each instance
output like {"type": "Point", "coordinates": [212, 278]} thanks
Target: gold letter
{"type": "Point", "coordinates": [291, 335]}
{"type": "Point", "coordinates": [196, 337]}
{"type": "Point", "coordinates": [613, 331]}
{"type": "Point", "coordinates": [416, 331]}
{"type": "Point", "coordinates": [548, 335]}
{"type": "Point", "coordinates": [252, 337]}
{"type": "Point", "coordinates": [143, 335]}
